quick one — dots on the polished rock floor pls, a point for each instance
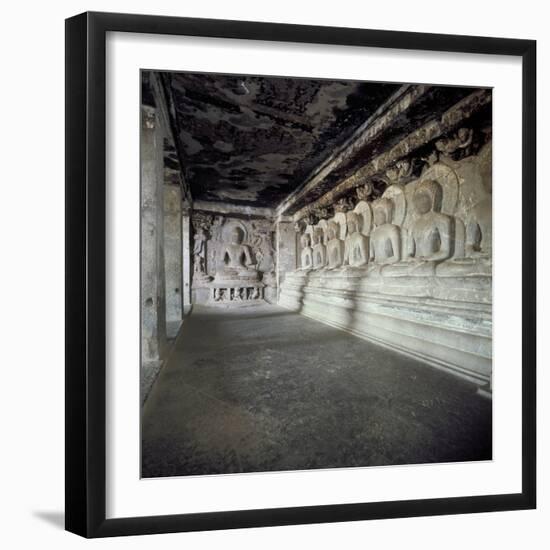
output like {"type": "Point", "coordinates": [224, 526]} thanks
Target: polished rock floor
{"type": "Point", "coordinates": [263, 389]}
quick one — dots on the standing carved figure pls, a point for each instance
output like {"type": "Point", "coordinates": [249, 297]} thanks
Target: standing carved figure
{"type": "Point", "coordinates": [199, 254]}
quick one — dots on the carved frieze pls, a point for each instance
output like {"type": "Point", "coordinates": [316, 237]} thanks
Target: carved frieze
{"type": "Point", "coordinates": [456, 145]}
{"type": "Point", "coordinates": [344, 204]}
{"type": "Point", "coordinates": [323, 213]}
{"type": "Point", "coordinates": [365, 191]}
{"type": "Point", "coordinates": [434, 224]}
{"type": "Point", "coordinates": [401, 171]}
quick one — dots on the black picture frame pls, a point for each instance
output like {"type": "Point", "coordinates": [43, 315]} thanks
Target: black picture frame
{"type": "Point", "coordinates": [86, 283]}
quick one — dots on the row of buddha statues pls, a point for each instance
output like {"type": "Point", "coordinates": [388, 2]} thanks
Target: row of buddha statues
{"type": "Point", "coordinates": [431, 243]}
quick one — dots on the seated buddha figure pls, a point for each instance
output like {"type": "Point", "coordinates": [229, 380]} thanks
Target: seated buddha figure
{"type": "Point", "coordinates": [306, 256]}
{"type": "Point", "coordinates": [430, 234]}
{"type": "Point", "coordinates": [335, 246]}
{"type": "Point", "coordinates": [356, 246]}
{"type": "Point", "coordinates": [236, 259]}
{"type": "Point", "coordinates": [319, 250]}
{"type": "Point", "coordinates": [385, 238]}
{"type": "Point", "coordinates": [478, 236]}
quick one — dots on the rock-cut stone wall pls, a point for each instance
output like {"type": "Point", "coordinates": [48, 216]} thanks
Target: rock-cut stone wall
{"type": "Point", "coordinates": [211, 234]}
{"type": "Point", "coordinates": [407, 260]}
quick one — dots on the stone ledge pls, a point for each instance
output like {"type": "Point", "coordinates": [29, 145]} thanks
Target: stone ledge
{"type": "Point", "coordinates": [474, 289]}
{"type": "Point", "coordinates": [450, 334]}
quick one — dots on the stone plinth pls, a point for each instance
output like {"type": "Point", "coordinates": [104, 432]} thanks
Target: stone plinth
{"type": "Point", "coordinates": [236, 293]}
{"type": "Point", "coordinates": [445, 321]}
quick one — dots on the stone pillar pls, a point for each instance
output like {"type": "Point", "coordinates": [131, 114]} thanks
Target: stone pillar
{"type": "Point", "coordinates": [186, 255]}
{"type": "Point", "coordinates": [153, 316]}
{"type": "Point", "coordinates": [286, 250]}
{"type": "Point", "coordinates": [173, 253]}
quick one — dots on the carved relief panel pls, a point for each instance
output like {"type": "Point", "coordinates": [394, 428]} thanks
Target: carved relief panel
{"type": "Point", "coordinates": [228, 246]}
{"type": "Point", "coordinates": [439, 221]}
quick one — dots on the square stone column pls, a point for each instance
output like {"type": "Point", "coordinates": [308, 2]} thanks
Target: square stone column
{"type": "Point", "coordinates": [186, 255]}
{"type": "Point", "coordinates": [153, 302]}
{"type": "Point", "coordinates": [173, 253]}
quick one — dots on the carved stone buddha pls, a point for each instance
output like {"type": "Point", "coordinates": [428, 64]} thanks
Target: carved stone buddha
{"type": "Point", "coordinates": [430, 234]}
{"type": "Point", "coordinates": [385, 239]}
{"type": "Point", "coordinates": [306, 257]}
{"type": "Point", "coordinates": [319, 250]}
{"type": "Point", "coordinates": [356, 249]}
{"type": "Point", "coordinates": [477, 258]}
{"type": "Point", "coordinates": [235, 259]}
{"type": "Point", "coordinates": [335, 246]}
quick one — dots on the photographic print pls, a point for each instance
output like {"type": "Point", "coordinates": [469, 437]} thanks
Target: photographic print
{"type": "Point", "coordinates": [316, 273]}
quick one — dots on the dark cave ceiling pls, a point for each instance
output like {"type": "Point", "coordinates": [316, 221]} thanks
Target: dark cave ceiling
{"type": "Point", "coordinates": [252, 140]}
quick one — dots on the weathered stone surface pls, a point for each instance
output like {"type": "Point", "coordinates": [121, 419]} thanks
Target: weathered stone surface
{"type": "Point", "coordinates": [235, 258]}
{"type": "Point", "coordinates": [419, 320]}
{"type": "Point", "coordinates": [289, 393]}
{"type": "Point", "coordinates": [173, 261]}
{"type": "Point", "coordinates": [425, 287]}
{"type": "Point", "coordinates": [418, 138]}
{"type": "Point", "coordinates": [251, 140]}
{"type": "Point", "coordinates": [365, 206]}
{"type": "Point", "coordinates": [153, 302]}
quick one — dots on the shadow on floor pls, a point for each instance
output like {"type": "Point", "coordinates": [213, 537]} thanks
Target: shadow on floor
{"type": "Point", "coordinates": [271, 390]}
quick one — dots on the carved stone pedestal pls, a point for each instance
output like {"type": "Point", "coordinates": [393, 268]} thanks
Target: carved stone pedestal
{"type": "Point", "coordinates": [444, 321]}
{"type": "Point", "coordinates": [236, 293]}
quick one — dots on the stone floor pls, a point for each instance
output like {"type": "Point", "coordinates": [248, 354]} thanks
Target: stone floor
{"type": "Point", "coordinates": [262, 389]}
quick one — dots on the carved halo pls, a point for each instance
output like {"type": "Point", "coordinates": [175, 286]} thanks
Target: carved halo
{"type": "Point", "coordinates": [364, 211]}
{"type": "Point", "coordinates": [340, 219]}
{"type": "Point", "coordinates": [357, 218]}
{"type": "Point", "coordinates": [396, 193]}
{"type": "Point", "coordinates": [323, 225]}
{"type": "Point", "coordinates": [334, 227]}
{"type": "Point", "coordinates": [305, 240]}
{"type": "Point", "coordinates": [228, 228]}
{"type": "Point", "coordinates": [447, 178]}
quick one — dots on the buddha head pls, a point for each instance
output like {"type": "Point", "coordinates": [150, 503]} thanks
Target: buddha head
{"type": "Point", "coordinates": [305, 240]}
{"type": "Point", "coordinates": [353, 221]}
{"type": "Point", "coordinates": [236, 236]}
{"type": "Point", "coordinates": [332, 230]}
{"type": "Point", "coordinates": [382, 211]}
{"type": "Point", "coordinates": [317, 235]}
{"type": "Point", "coordinates": [427, 197]}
